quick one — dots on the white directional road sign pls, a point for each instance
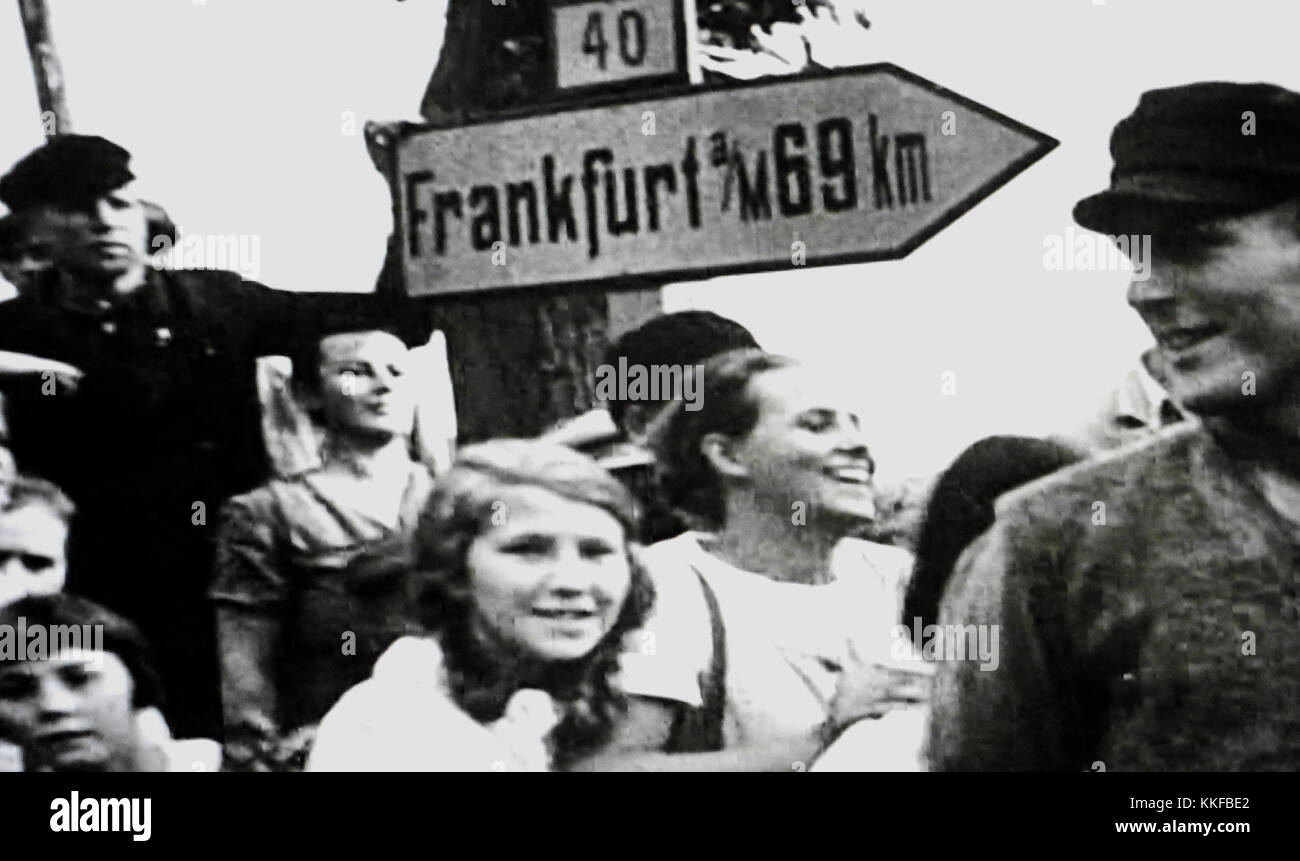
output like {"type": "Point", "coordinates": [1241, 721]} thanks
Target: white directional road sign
{"type": "Point", "coordinates": [854, 165]}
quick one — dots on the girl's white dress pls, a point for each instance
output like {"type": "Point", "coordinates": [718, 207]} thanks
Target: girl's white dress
{"type": "Point", "coordinates": [403, 719]}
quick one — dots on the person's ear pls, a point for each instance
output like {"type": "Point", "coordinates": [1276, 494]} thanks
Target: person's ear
{"type": "Point", "coordinates": [720, 451]}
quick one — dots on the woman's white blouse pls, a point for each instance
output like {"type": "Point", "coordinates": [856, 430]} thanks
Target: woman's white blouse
{"type": "Point", "coordinates": [786, 642]}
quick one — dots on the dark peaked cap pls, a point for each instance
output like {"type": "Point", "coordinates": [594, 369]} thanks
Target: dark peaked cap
{"type": "Point", "coordinates": [67, 169]}
{"type": "Point", "coordinates": [1184, 154]}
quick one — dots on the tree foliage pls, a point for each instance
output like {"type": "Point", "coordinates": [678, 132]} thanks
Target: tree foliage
{"type": "Point", "coordinates": [494, 56]}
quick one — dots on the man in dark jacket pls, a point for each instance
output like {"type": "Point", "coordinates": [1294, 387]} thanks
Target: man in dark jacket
{"type": "Point", "coordinates": [163, 425]}
{"type": "Point", "coordinates": [1147, 602]}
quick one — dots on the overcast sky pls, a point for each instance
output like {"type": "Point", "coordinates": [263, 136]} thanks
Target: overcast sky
{"type": "Point", "coordinates": [236, 113]}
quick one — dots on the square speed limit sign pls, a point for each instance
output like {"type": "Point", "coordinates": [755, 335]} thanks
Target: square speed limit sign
{"type": "Point", "coordinates": [599, 44]}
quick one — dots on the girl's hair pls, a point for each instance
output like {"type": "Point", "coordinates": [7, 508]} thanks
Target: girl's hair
{"type": "Point", "coordinates": [726, 405]}
{"type": "Point", "coordinates": [683, 339]}
{"type": "Point", "coordinates": [461, 508]}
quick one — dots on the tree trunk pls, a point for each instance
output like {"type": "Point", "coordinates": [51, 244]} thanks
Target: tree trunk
{"type": "Point", "coordinates": [521, 360]}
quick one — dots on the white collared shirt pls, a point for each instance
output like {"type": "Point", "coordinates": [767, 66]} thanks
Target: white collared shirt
{"type": "Point", "coordinates": [1137, 409]}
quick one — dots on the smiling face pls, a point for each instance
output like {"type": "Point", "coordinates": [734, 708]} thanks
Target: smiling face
{"type": "Point", "coordinates": [1223, 299]}
{"type": "Point", "coordinates": [105, 236]}
{"type": "Point", "coordinates": [364, 385]}
{"type": "Point", "coordinates": [70, 713]}
{"type": "Point", "coordinates": [807, 446]}
{"type": "Point", "coordinates": [549, 575]}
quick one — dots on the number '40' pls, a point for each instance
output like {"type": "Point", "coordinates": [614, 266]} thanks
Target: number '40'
{"type": "Point", "coordinates": [631, 38]}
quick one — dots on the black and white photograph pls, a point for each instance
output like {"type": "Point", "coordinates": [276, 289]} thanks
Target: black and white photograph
{"type": "Point", "coordinates": [832, 386]}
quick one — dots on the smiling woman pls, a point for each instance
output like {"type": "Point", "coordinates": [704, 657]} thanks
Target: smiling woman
{"type": "Point", "coordinates": [777, 627]}
{"type": "Point", "coordinates": [532, 586]}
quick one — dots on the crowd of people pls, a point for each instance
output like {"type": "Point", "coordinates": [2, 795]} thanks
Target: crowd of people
{"type": "Point", "coordinates": [658, 585]}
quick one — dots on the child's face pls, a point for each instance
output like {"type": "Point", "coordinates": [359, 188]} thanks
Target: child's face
{"type": "Point", "coordinates": [71, 712]}
{"type": "Point", "coordinates": [549, 574]}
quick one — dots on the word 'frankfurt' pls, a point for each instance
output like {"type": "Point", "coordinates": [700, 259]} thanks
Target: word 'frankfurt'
{"type": "Point", "coordinates": [808, 170]}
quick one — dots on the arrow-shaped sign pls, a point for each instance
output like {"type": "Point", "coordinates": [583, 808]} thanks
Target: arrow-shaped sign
{"type": "Point", "coordinates": [855, 165]}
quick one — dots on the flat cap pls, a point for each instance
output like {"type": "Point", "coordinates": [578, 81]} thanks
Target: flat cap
{"type": "Point", "coordinates": [67, 169]}
{"type": "Point", "coordinates": [1199, 151]}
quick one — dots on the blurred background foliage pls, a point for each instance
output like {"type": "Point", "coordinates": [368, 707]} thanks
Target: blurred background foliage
{"type": "Point", "coordinates": [728, 23]}
{"type": "Point", "coordinates": [494, 56]}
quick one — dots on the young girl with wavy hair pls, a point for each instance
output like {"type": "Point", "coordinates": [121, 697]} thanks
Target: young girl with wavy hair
{"type": "Point", "coordinates": [531, 587]}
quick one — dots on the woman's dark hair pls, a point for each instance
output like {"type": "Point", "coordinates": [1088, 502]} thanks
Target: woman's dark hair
{"type": "Point", "coordinates": [961, 508]}
{"type": "Point", "coordinates": [461, 507]}
{"type": "Point", "coordinates": [120, 637]}
{"type": "Point", "coordinates": [725, 405]}
{"type": "Point", "coordinates": [681, 339]}
{"type": "Point", "coordinates": [306, 354]}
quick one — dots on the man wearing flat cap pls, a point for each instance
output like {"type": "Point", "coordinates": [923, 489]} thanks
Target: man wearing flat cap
{"type": "Point", "coordinates": [164, 425]}
{"type": "Point", "coordinates": [1148, 602]}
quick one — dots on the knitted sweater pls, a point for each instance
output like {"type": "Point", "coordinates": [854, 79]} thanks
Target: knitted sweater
{"type": "Point", "coordinates": [1148, 614]}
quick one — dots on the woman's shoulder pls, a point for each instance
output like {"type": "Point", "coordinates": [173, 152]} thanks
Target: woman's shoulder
{"type": "Point", "coordinates": [381, 721]}
{"type": "Point", "coordinates": [274, 496]}
{"type": "Point", "coordinates": [411, 660]}
{"type": "Point", "coordinates": [411, 665]}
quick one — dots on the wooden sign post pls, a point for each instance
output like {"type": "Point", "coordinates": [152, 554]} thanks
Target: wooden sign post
{"type": "Point", "coordinates": [523, 360]}
{"type": "Point", "coordinates": [45, 64]}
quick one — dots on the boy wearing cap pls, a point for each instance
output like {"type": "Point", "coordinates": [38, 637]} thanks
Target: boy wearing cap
{"type": "Point", "coordinates": [164, 425]}
{"type": "Point", "coordinates": [1148, 601]}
